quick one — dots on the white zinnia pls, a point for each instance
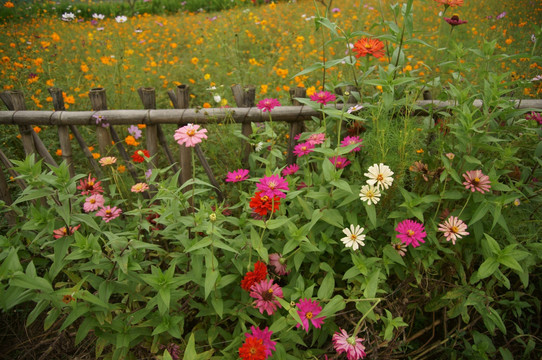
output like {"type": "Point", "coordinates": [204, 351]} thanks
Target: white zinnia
{"type": "Point", "coordinates": [354, 237]}
{"type": "Point", "coordinates": [380, 175]}
{"type": "Point", "coordinates": [370, 194]}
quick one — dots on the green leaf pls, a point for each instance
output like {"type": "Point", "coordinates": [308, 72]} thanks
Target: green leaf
{"type": "Point", "coordinates": [488, 267]}
{"type": "Point", "coordinates": [78, 310]}
{"type": "Point", "coordinates": [210, 280]}
{"type": "Point", "coordinates": [40, 307]}
{"type": "Point", "coordinates": [371, 213]}
{"type": "Point", "coordinates": [480, 212]}
{"type": "Point", "coordinates": [328, 285]}
{"type": "Point", "coordinates": [333, 306]}
{"type": "Point", "coordinates": [276, 223]}
{"type": "Point", "coordinates": [343, 185]}
{"type": "Point", "coordinates": [206, 241]}
{"type": "Point", "coordinates": [392, 254]}
{"type": "Point", "coordinates": [333, 217]}
{"type": "Point", "coordinates": [82, 331]}
{"type": "Point", "coordinates": [509, 261]}
{"type": "Point", "coordinates": [472, 160]}
{"type": "Point", "coordinates": [372, 285]}
{"type": "Point", "coordinates": [190, 351]}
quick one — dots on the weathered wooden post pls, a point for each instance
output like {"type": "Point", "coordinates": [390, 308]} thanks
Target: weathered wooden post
{"type": "Point", "coordinates": [245, 97]}
{"type": "Point", "coordinates": [63, 131]}
{"type": "Point", "coordinates": [180, 98]}
{"type": "Point", "coordinates": [5, 196]}
{"type": "Point", "coordinates": [148, 98]}
{"type": "Point", "coordinates": [98, 102]}
{"type": "Point", "coordinates": [296, 127]}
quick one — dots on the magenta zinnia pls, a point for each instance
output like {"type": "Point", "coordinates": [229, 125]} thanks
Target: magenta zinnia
{"type": "Point", "coordinates": [411, 232]}
{"type": "Point", "coordinates": [290, 169]}
{"type": "Point", "coordinates": [339, 162]}
{"type": "Point", "coordinates": [303, 149]}
{"type": "Point", "coordinates": [476, 181]}
{"type": "Point", "coordinates": [268, 104]}
{"type": "Point", "coordinates": [265, 336]}
{"type": "Point", "coordinates": [351, 140]}
{"type": "Point", "coordinates": [323, 97]}
{"type": "Point", "coordinates": [190, 135]}
{"type": "Point", "coordinates": [453, 229]}
{"type": "Point", "coordinates": [265, 293]}
{"type": "Point", "coordinates": [237, 175]}
{"type": "Point", "coordinates": [307, 312]}
{"type": "Point", "coordinates": [351, 345]}
{"type": "Point", "coordinates": [272, 185]}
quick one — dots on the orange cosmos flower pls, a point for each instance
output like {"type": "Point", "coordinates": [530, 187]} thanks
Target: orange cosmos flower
{"type": "Point", "coordinates": [9, 4]}
{"type": "Point", "coordinates": [367, 46]}
{"type": "Point", "coordinates": [452, 3]}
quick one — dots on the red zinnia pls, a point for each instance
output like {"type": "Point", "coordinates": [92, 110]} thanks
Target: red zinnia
{"type": "Point", "coordinates": [367, 46]}
{"type": "Point", "coordinates": [262, 204]}
{"type": "Point", "coordinates": [253, 349]}
{"type": "Point", "coordinates": [140, 155]}
{"type": "Point", "coordinates": [252, 277]}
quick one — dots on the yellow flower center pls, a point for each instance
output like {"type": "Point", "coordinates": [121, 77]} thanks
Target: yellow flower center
{"type": "Point", "coordinates": [108, 212]}
{"type": "Point", "coordinates": [308, 315]}
{"type": "Point", "coordinates": [476, 181]}
{"type": "Point", "coordinates": [265, 198]}
{"type": "Point", "coordinates": [191, 132]}
{"type": "Point", "coordinates": [380, 177]}
{"type": "Point", "coordinates": [92, 201]}
{"type": "Point", "coordinates": [353, 237]}
{"type": "Point", "coordinates": [410, 233]}
{"type": "Point", "coordinates": [454, 229]}
{"type": "Point", "coordinates": [369, 194]}
{"type": "Point", "coordinates": [272, 185]}
{"type": "Point", "coordinates": [91, 183]}
{"type": "Point", "coordinates": [270, 291]}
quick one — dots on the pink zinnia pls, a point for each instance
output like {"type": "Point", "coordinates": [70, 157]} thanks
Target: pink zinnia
{"type": "Point", "coordinates": [90, 186]}
{"type": "Point", "coordinates": [272, 185]}
{"type": "Point", "coordinates": [140, 187]}
{"type": "Point", "coordinates": [60, 233]}
{"type": "Point", "coordinates": [109, 213]}
{"type": "Point", "coordinates": [351, 345]}
{"type": "Point", "coordinates": [93, 203]}
{"type": "Point", "coordinates": [278, 262]}
{"type": "Point", "coordinates": [237, 175]}
{"type": "Point", "coordinates": [290, 169]}
{"type": "Point", "coordinates": [476, 181]}
{"type": "Point", "coordinates": [190, 135]}
{"type": "Point", "coordinates": [411, 232]}
{"type": "Point", "coordinates": [316, 139]}
{"type": "Point", "coordinates": [534, 115]}
{"type": "Point", "coordinates": [307, 312]}
{"type": "Point", "coordinates": [453, 229]}
{"type": "Point", "coordinates": [303, 149]}
{"type": "Point", "coordinates": [323, 97]}
{"type": "Point", "coordinates": [265, 293]}
{"type": "Point", "coordinates": [339, 162]}
{"type": "Point", "coordinates": [351, 140]}
{"type": "Point", "coordinates": [265, 336]}
{"type": "Point", "coordinates": [268, 104]}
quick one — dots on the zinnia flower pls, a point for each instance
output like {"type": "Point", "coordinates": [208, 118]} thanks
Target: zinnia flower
{"type": "Point", "coordinates": [59, 233]}
{"type": "Point", "coordinates": [411, 232]}
{"type": "Point", "coordinates": [453, 229]}
{"type": "Point", "coordinates": [140, 187]}
{"type": "Point", "coordinates": [451, 3]}
{"type": "Point", "coordinates": [380, 175]}
{"type": "Point", "coordinates": [316, 139]}
{"type": "Point", "coordinates": [108, 160]}
{"type": "Point", "coordinates": [354, 237]}
{"type": "Point", "coordinates": [351, 345]}
{"type": "Point", "coordinates": [190, 135]}
{"type": "Point", "coordinates": [265, 293]}
{"type": "Point", "coordinates": [339, 162]}
{"type": "Point", "coordinates": [261, 204]}
{"type": "Point", "coordinates": [369, 46]}
{"type": "Point", "coordinates": [308, 310]}
{"type": "Point", "coordinates": [109, 213]}
{"type": "Point", "coordinates": [140, 155]}
{"type": "Point", "coordinates": [351, 140]}
{"type": "Point", "coordinates": [534, 116]}
{"type": "Point", "coordinates": [399, 247]}
{"type": "Point", "coordinates": [252, 277]}
{"type": "Point", "coordinates": [323, 97]}
{"type": "Point", "coordinates": [476, 181]}
{"type": "Point", "coordinates": [253, 349]}
{"type": "Point", "coordinates": [303, 149]}
{"type": "Point", "coordinates": [370, 194]}
{"type": "Point", "coordinates": [290, 170]}
{"type": "Point", "coordinates": [93, 202]}
{"type": "Point", "coordinates": [237, 175]}
{"type": "Point", "coordinates": [90, 186]}
{"type": "Point", "coordinates": [278, 263]}
{"type": "Point", "coordinates": [265, 336]}
{"type": "Point", "coordinates": [454, 20]}
{"type": "Point", "coordinates": [272, 185]}
{"type": "Point", "coordinates": [268, 104]}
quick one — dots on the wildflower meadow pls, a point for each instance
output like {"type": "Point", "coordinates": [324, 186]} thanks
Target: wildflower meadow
{"type": "Point", "coordinates": [400, 221]}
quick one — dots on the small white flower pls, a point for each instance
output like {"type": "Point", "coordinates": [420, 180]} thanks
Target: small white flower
{"type": "Point", "coordinates": [354, 108]}
{"type": "Point", "coordinates": [354, 237]}
{"type": "Point", "coordinates": [259, 146]}
{"type": "Point", "coordinates": [370, 194]}
{"type": "Point", "coordinates": [121, 19]}
{"type": "Point", "coordinates": [68, 16]}
{"type": "Point", "coordinates": [217, 98]}
{"type": "Point", "coordinates": [380, 175]}
{"type": "Point", "coordinates": [98, 16]}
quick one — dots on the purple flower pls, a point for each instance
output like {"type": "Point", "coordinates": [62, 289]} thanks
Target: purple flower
{"type": "Point", "coordinates": [323, 97]}
{"type": "Point", "coordinates": [101, 120]}
{"type": "Point", "coordinates": [335, 10]}
{"type": "Point", "coordinates": [268, 104]}
{"type": "Point", "coordinates": [454, 20]}
{"type": "Point", "coordinates": [134, 131]}
{"type": "Point", "coordinates": [272, 185]}
{"type": "Point", "coordinates": [411, 232]}
{"type": "Point", "coordinates": [501, 15]}
{"type": "Point", "coordinates": [148, 174]}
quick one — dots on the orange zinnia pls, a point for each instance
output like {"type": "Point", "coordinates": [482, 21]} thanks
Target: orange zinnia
{"type": "Point", "coordinates": [366, 46]}
{"type": "Point", "coordinates": [451, 3]}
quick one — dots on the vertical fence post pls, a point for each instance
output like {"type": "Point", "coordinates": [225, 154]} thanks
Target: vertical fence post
{"type": "Point", "coordinates": [245, 98]}
{"type": "Point", "coordinates": [180, 98]}
{"type": "Point", "coordinates": [11, 216]}
{"type": "Point", "coordinates": [296, 127]}
{"type": "Point", "coordinates": [98, 102]}
{"type": "Point", "coordinates": [63, 132]}
{"type": "Point", "coordinates": [148, 98]}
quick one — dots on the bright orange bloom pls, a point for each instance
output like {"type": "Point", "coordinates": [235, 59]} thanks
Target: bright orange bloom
{"type": "Point", "coordinates": [59, 152]}
{"type": "Point", "coordinates": [451, 3]}
{"type": "Point", "coordinates": [367, 46]}
{"type": "Point", "coordinates": [37, 129]}
{"type": "Point", "coordinates": [9, 4]}
{"type": "Point", "coordinates": [130, 140]}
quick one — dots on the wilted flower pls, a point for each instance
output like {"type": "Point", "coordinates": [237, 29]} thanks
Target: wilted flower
{"type": "Point", "coordinates": [454, 20]}
{"type": "Point", "coordinates": [351, 345]}
{"type": "Point", "coordinates": [278, 263]}
{"type": "Point", "coordinates": [59, 233]}
{"type": "Point", "coordinates": [399, 247]}
{"type": "Point", "coordinates": [90, 186]}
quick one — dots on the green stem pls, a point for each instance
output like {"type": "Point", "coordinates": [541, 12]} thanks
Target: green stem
{"type": "Point", "coordinates": [358, 325]}
{"type": "Point", "coordinates": [464, 206]}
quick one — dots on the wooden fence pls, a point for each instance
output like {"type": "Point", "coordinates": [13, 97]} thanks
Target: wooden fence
{"type": "Point", "coordinates": [245, 113]}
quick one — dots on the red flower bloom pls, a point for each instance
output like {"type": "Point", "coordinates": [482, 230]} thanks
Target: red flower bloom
{"type": "Point", "coordinates": [253, 349]}
{"type": "Point", "coordinates": [262, 204]}
{"type": "Point", "coordinates": [367, 46]}
{"type": "Point", "coordinates": [90, 186]}
{"type": "Point", "coordinates": [140, 155]}
{"type": "Point", "coordinates": [252, 277]}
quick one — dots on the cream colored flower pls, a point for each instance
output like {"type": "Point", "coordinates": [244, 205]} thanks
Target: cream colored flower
{"type": "Point", "coordinates": [380, 175]}
{"type": "Point", "coordinates": [354, 237]}
{"type": "Point", "coordinates": [370, 194]}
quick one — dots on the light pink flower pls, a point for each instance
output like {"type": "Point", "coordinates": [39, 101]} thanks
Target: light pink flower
{"type": "Point", "coordinates": [272, 185]}
{"type": "Point", "coordinates": [135, 132]}
{"type": "Point", "coordinates": [316, 139]}
{"type": "Point", "coordinates": [265, 293]}
{"type": "Point", "coordinates": [308, 310]}
{"type": "Point", "coordinates": [237, 175]}
{"type": "Point", "coordinates": [265, 336]}
{"type": "Point", "coordinates": [108, 160]}
{"type": "Point", "coordinates": [109, 213]}
{"type": "Point", "coordinates": [278, 262]}
{"type": "Point", "coordinates": [93, 203]}
{"type": "Point", "coordinates": [140, 187]}
{"type": "Point", "coordinates": [268, 104]}
{"type": "Point", "coordinates": [60, 233]}
{"type": "Point", "coordinates": [190, 135]}
{"type": "Point", "coordinates": [476, 181]}
{"type": "Point", "coordinates": [290, 170]}
{"type": "Point", "coordinates": [351, 345]}
{"type": "Point", "coordinates": [339, 162]}
{"type": "Point", "coordinates": [303, 149]}
{"type": "Point", "coordinates": [453, 229]}
{"type": "Point", "coordinates": [323, 97]}
{"type": "Point", "coordinates": [411, 232]}
{"type": "Point", "coordinates": [351, 140]}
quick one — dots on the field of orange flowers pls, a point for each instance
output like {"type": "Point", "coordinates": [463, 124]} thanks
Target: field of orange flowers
{"type": "Point", "coordinates": [265, 46]}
